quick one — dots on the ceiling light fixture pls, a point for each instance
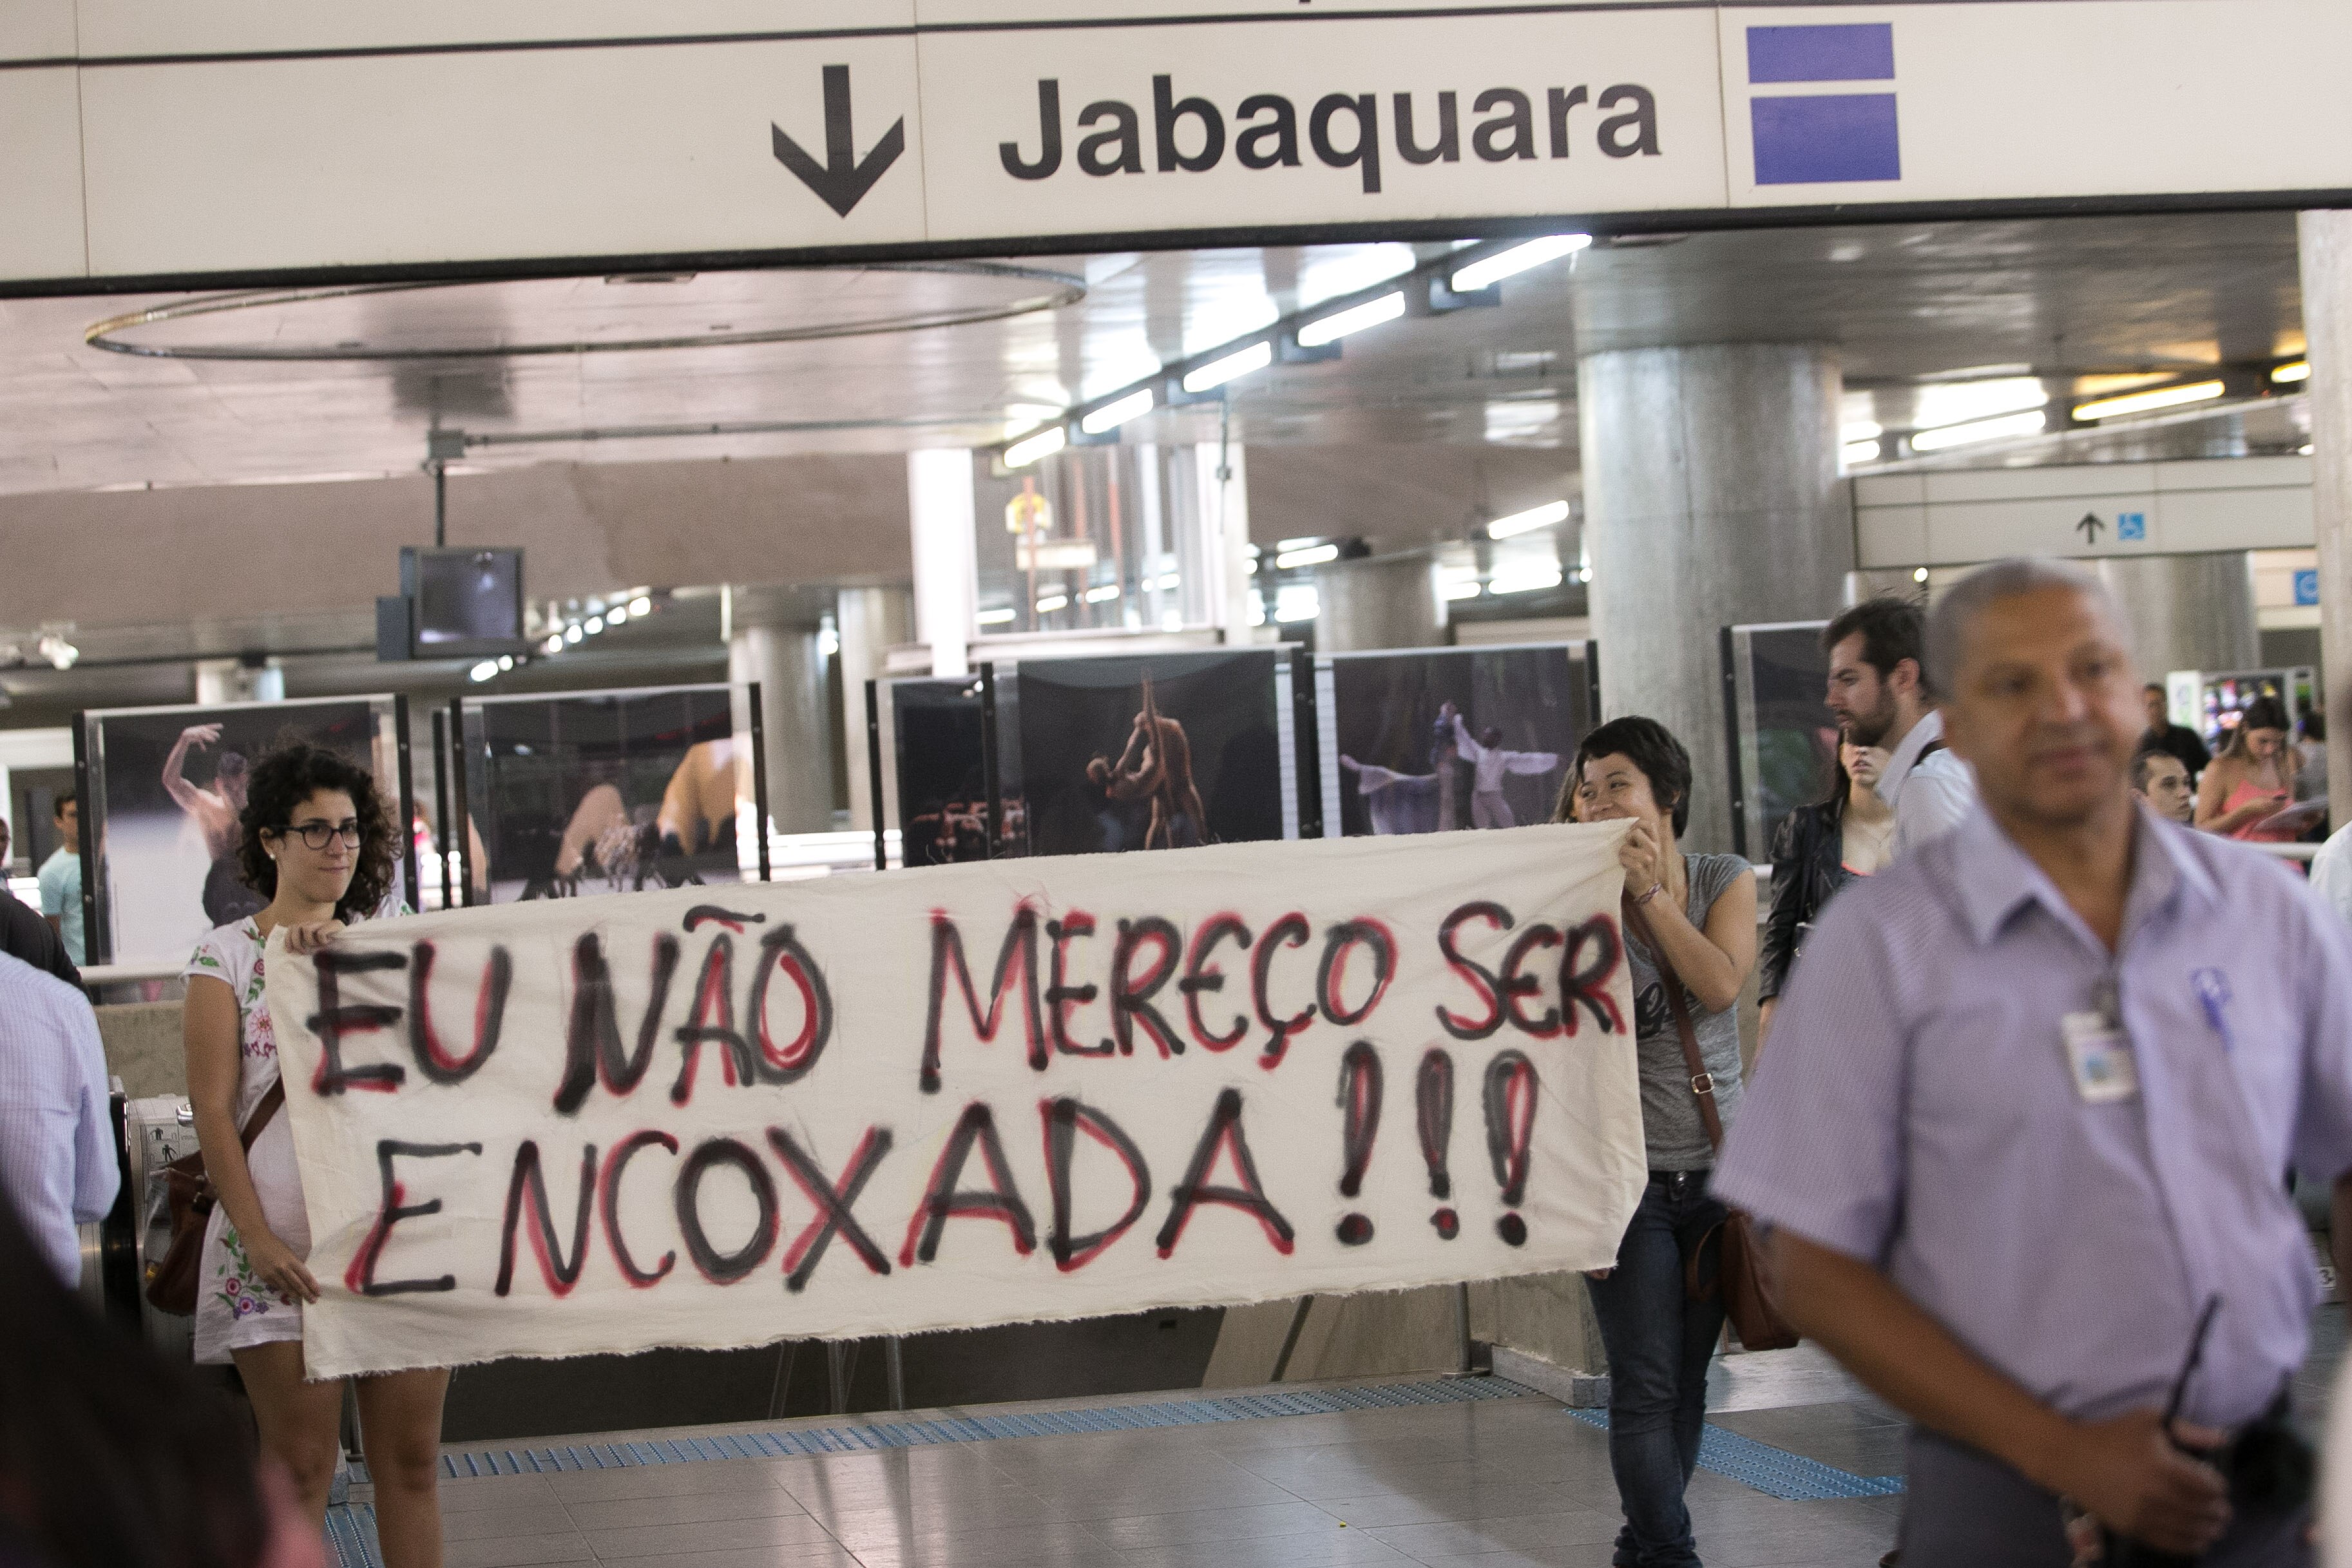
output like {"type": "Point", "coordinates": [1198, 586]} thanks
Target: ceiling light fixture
{"type": "Point", "coordinates": [1312, 555]}
{"type": "Point", "coordinates": [554, 644]}
{"type": "Point", "coordinates": [1111, 416]}
{"type": "Point", "coordinates": [1860, 452]}
{"type": "Point", "coordinates": [1218, 372]}
{"type": "Point", "coordinates": [1510, 263]}
{"type": "Point", "coordinates": [2294, 370]}
{"type": "Point", "coordinates": [1467, 588]}
{"type": "Point", "coordinates": [1102, 596]}
{"type": "Point", "coordinates": [641, 606]}
{"type": "Point", "coordinates": [2029, 423]}
{"type": "Point", "coordinates": [1549, 515]}
{"type": "Point", "coordinates": [1355, 319]}
{"type": "Point", "coordinates": [1051, 602]}
{"type": "Point", "coordinates": [61, 653]}
{"type": "Point", "coordinates": [572, 632]}
{"type": "Point", "coordinates": [1528, 581]}
{"type": "Point", "coordinates": [616, 615]}
{"type": "Point", "coordinates": [483, 670]}
{"type": "Point", "coordinates": [1861, 430]}
{"type": "Point", "coordinates": [1044, 443]}
{"type": "Point", "coordinates": [596, 624]}
{"type": "Point", "coordinates": [997, 617]}
{"type": "Point", "coordinates": [2148, 402]}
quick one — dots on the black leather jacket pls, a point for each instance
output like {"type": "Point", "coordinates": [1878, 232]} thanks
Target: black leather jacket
{"type": "Point", "coordinates": [1808, 869]}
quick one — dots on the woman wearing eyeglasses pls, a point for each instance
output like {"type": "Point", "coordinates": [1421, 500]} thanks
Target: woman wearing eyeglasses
{"type": "Point", "coordinates": [319, 844]}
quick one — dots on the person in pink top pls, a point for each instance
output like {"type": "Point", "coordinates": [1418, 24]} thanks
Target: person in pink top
{"type": "Point", "coordinates": [2252, 779]}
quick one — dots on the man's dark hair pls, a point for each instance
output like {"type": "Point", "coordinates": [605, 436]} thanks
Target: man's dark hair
{"type": "Point", "coordinates": [1892, 630]}
{"type": "Point", "coordinates": [1649, 746]}
{"type": "Point", "coordinates": [2140, 759]}
{"type": "Point", "coordinates": [2155, 686]}
{"type": "Point", "coordinates": [57, 806]}
{"type": "Point", "coordinates": [282, 781]}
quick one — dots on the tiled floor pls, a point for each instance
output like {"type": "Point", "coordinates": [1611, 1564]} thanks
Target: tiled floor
{"type": "Point", "coordinates": [1492, 1484]}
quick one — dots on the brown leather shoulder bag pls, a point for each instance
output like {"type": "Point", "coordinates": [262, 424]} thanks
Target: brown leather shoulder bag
{"type": "Point", "coordinates": [172, 1279]}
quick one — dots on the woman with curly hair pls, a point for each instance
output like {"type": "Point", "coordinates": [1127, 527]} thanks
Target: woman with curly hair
{"type": "Point", "coordinates": [318, 842]}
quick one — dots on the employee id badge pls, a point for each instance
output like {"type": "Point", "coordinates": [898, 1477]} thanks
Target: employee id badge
{"type": "Point", "coordinates": [2100, 1058]}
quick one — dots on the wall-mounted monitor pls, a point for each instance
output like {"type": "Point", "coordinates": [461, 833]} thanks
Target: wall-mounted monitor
{"type": "Point", "coordinates": [463, 604]}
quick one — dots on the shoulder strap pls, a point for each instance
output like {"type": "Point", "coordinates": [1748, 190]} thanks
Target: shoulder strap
{"type": "Point", "coordinates": [1702, 1082]}
{"type": "Point", "coordinates": [1929, 749]}
{"type": "Point", "coordinates": [271, 1098]}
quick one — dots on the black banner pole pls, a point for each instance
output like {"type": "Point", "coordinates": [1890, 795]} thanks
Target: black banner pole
{"type": "Point", "coordinates": [874, 772]}
{"type": "Point", "coordinates": [759, 778]}
{"type": "Point", "coordinates": [988, 759]}
{"type": "Point", "coordinates": [441, 820]}
{"type": "Point", "coordinates": [97, 941]}
{"type": "Point", "coordinates": [408, 800]}
{"type": "Point", "coordinates": [460, 819]}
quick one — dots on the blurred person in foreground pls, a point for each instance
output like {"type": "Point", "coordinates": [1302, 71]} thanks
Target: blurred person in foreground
{"type": "Point", "coordinates": [1879, 688]}
{"type": "Point", "coordinates": [57, 1129]}
{"type": "Point", "coordinates": [2020, 1140]}
{"type": "Point", "coordinates": [25, 934]}
{"type": "Point", "coordinates": [317, 843]}
{"type": "Point", "coordinates": [112, 1457]}
{"type": "Point", "coordinates": [1818, 849]}
{"type": "Point", "coordinates": [2158, 778]}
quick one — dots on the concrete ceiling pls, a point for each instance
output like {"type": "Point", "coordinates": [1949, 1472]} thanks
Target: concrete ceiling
{"type": "Point", "coordinates": [1916, 309]}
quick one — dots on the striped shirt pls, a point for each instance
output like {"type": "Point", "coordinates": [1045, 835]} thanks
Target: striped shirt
{"type": "Point", "coordinates": [1917, 1111]}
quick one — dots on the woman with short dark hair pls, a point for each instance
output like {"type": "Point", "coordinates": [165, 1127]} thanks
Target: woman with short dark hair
{"type": "Point", "coordinates": [318, 842]}
{"type": "Point", "coordinates": [1690, 921]}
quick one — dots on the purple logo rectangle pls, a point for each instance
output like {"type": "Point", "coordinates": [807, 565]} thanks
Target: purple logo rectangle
{"type": "Point", "coordinates": [1849, 51]}
{"type": "Point", "coordinates": [1824, 138]}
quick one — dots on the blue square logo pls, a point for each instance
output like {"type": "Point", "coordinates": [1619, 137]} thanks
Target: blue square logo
{"type": "Point", "coordinates": [1817, 140]}
{"type": "Point", "coordinates": [2131, 525]}
{"type": "Point", "coordinates": [2307, 587]}
{"type": "Point", "coordinates": [1824, 138]}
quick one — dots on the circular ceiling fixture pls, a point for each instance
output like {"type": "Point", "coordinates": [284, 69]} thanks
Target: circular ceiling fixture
{"type": "Point", "coordinates": [620, 313]}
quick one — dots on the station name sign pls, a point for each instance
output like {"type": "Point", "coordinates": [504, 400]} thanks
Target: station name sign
{"type": "Point", "coordinates": [166, 143]}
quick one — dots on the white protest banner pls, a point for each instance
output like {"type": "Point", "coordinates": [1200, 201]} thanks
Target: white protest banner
{"type": "Point", "coordinates": [938, 1098]}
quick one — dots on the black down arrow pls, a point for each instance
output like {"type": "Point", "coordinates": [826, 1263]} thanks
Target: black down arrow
{"type": "Point", "coordinates": [841, 181]}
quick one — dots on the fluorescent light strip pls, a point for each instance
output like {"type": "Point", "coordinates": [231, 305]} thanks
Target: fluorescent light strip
{"type": "Point", "coordinates": [1217, 372]}
{"type": "Point", "coordinates": [1861, 430]}
{"type": "Point", "coordinates": [1102, 596]}
{"type": "Point", "coordinates": [2148, 402]}
{"type": "Point", "coordinates": [2029, 423]}
{"type": "Point", "coordinates": [1044, 443]}
{"type": "Point", "coordinates": [1111, 416]}
{"type": "Point", "coordinates": [1517, 259]}
{"type": "Point", "coordinates": [1371, 313]}
{"type": "Point", "coordinates": [1313, 555]}
{"type": "Point", "coordinates": [1051, 602]}
{"type": "Point", "coordinates": [1860, 452]}
{"type": "Point", "coordinates": [1550, 514]}
{"type": "Point", "coordinates": [2296, 370]}
{"type": "Point", "coordinates": [1527, 583]}
{"type": "Point", "coordinates": [1001, 617]}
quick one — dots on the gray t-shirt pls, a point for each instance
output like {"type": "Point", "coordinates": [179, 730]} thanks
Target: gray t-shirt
{"type": "Point", "coordinates": [1671, 1127]}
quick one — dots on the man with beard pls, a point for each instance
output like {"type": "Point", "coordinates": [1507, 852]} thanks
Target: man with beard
{"type": "Point", "coordinates": [1878, 689]}
{"type": "Point", "coordinates": [215, 812]}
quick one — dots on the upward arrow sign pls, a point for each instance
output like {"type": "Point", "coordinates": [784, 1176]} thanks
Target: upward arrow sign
{"type": "Point", "coordinates": [841, 181]}
{"type": "Point", "coordinates": [2089, 527]}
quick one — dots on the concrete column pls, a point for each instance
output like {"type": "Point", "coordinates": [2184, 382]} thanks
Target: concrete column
{"type": "Point", "coordinates": [2326, 242]}
{"type": "Point", "coordinates": [1711, 498]}
{"type": "Point", "coordinates": [1370, 605]}
{"type": "Point", "coordinates": [872, 621]}
{"type": "Point", "coordinates": [947, 589]}
{"type": "Point", "coordinates": [786, 662]}
{"type": "Point", "coordinates": [2187, 612]}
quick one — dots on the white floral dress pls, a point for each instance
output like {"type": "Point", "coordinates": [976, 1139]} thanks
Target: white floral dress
{"type": "Point", "coordinates": [235, 1310]}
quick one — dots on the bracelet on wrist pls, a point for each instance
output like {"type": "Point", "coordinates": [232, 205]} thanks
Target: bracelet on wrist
{"type": "Point", "coordinates": [1655, 888]}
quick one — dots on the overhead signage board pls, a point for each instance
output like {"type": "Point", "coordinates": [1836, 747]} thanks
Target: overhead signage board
{"type": "Point", "coordinates": [1956, 516]}
{"type": "Point", "coordinates": [255, 138]}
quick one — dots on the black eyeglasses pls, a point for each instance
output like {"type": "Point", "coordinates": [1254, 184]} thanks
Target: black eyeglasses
{"type": "Point", "coordinates": [318, 834]}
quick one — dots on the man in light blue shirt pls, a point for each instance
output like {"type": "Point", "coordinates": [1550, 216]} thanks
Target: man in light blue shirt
{"type": "Point", "coordinates": [2028, 1113]}
{"type": "Point", "coordinates": [61, 880]}
{"type": "Point", "coordinates": [56, 1132]}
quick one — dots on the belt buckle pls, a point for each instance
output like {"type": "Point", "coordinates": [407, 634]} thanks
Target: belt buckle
{"type": "Point", "coordinates": [1703, 1084]}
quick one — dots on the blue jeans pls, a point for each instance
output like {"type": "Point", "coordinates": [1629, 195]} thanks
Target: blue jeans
{"type": "Point", "coordinates": [1659, 1342]}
